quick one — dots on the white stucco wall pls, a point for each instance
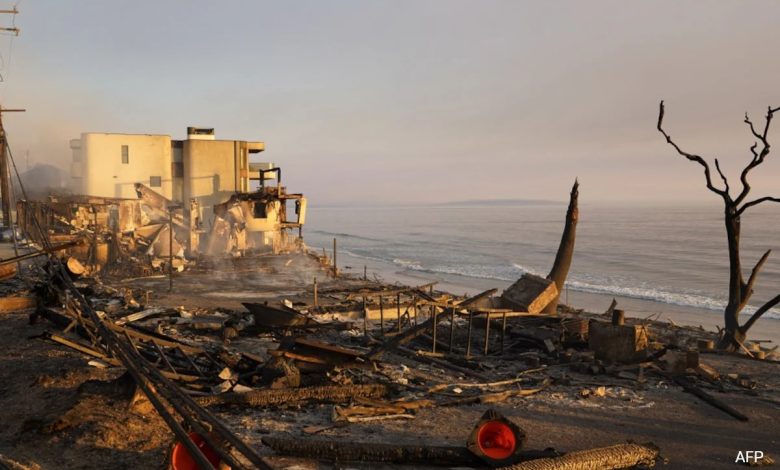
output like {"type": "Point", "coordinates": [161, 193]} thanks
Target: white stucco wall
{"type": "Point", "coordinates": [103, 173]}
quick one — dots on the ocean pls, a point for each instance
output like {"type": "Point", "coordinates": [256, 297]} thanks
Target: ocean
{"type": "Point", "coordinates": [671, 256]}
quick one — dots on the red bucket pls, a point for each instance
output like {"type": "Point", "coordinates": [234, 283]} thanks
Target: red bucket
{"type": "Point", "coordinates": [496, 440]}
{"type": "Point", "coordinates": [182, 460]}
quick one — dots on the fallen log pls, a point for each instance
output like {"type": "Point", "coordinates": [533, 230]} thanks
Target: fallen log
{"type": "Point", "coordinates": [294, 396]}
{"type": "Point", "coordinates": [707, 398]}
{"type": "Point", "coordinates": [602, 458]}
{"type": "Point", "coordinates": [346, 451]}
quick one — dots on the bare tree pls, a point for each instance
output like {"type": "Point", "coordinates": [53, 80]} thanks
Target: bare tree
{"type": "Point", "coordinates": [740, 291]}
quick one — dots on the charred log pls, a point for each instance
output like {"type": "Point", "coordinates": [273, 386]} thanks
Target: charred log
{"type": "Point", "coordinates": [560, 269]}
{"type": "Point", "coordinates": [295, 396]}
{"type": "Point", "coordinates": [612, 457]}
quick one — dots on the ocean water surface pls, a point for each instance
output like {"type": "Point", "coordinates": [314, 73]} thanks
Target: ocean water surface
{"type": "Point", "coordinates": [672, 254]}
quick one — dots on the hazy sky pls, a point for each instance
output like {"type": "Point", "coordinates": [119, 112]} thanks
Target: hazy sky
{"type": "Point", "coordinates": [399, 101]}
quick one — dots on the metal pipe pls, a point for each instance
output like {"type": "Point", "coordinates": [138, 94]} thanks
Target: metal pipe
{"type": "Point", "coordinates": [315, 293]}
{"type": "Point", "coordinates": [452, 327]}
{"type": "Point", "coordinates": [433, 321]}
{"type": "Point", "coordinates": [335, 264]}
{"type": "Point", "coordinates": [503, 331]}
{"type": "Point", "coordinates": [381, 315]}
{"type": "Point", "coordinates": [398, 311]}
{"type": "Point", "coordinates": [468, 340]}
{"type": "Point", "coordinates": [365, 318]}
{"type": "Point", "coordinates": [170, 249]}
{"type": "Point", "coordinates": [487, 332]}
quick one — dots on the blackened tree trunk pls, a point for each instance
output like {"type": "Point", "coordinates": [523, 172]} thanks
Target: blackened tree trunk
{"type": "Point", "coordinates": [739, 290]}
{"type": "Point", "coordinates": [560, 269]}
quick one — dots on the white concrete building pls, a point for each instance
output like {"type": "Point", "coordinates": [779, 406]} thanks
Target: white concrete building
{"type": "Point", "coordinates": [200, 167]}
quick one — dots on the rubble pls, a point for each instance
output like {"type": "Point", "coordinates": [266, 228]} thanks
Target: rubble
{"type": "Point", "coordinates": [529, 294]}
{"type": "Point", "coordinates": [350, 351]}
{"type": "Point", "coordinates": [617, 343]}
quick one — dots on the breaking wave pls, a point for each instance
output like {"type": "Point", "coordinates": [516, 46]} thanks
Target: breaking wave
{"type": "Point", "coordinates": [510, 273]}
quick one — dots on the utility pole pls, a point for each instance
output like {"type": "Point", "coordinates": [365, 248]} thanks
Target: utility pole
{"type": "Point", "coordinates": [5, 170]}
{"type": "Point", "coordinates": [14, 29]}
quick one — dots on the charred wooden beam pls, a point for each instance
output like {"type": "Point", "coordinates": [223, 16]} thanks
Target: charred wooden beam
{"type": "Point", "coordinates": [689, 387]}
{"type": "Point", "coordinates": [294, 396]}
{"type": "Point", "coordinates": [346, 451]}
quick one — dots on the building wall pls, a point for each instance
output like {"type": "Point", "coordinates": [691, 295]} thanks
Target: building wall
{"type": "Point", "coordinates": [102, 172]}
{"type": "Point", "coordinates": [213, 171]}
{"type": "Point", "coordinates": [203, 168]}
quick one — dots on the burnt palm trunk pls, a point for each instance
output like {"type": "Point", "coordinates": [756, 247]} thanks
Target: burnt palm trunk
{"type": "Point", "coordinates": [560, 269]}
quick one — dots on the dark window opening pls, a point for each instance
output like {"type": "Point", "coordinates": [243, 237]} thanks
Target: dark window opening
{"type": "Point", "coordinates": [258, 211]}
{"type": "Point", "coordinates": [155, 181]}
{"type": "Point", "coordinates": [125, 154]}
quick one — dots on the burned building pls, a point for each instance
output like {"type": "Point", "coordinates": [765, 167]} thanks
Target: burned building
{"type": "Point", "coordinates": [153, 198]}
{"type": "Point", "coordinates": [199, 167]}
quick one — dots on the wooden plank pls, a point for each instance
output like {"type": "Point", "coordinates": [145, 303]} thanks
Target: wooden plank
{"type": "Point", "coordinates": [81, 348]}
{"type": "Point", "coordinates": [140, 315]}
{"type": "Point", "coordinates": [17, 303]}
{"type": "Point", "coordinates": [169, 343]}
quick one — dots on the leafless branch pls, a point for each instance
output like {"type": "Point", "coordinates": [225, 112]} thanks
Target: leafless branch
{"type": "Point", "coordinates": [752, 128]}
{"type": "Point", "coordinates": [689, 156]}
{"type": "Point", "coordinates": [758, 157]}
{"type": "Point", "coordinates": [748, 287]}
{"type": "Point", "coordinates": [753, 150]}
{"type": "Point", "coordinates": [762, 310]}
{"type": "Point", "coordinates": [757, 202]}
{"type": "Point", "coordinates": [722, 176]}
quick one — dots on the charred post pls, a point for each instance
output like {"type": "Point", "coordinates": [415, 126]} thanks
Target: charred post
{"type": "Point", "coordinates": [560, 269]}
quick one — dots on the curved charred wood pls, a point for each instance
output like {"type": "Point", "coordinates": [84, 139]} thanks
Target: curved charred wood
{"type": "Point", "coordinates": [604, 458]}
{"type": "Point", "coordinates": [560, 269]}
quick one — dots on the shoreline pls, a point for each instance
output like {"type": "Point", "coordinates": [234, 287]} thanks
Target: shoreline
{"type": "Point", "coordinates": [710, 320]}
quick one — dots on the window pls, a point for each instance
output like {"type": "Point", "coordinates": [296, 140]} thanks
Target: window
{"type": "Point", "coordinates": [258, 211]}
{"type": "Point", "coordinates": [155, 181]}
{"type": "Point", "coordinates": [125, 154]}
